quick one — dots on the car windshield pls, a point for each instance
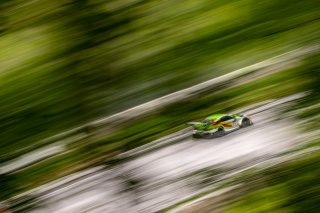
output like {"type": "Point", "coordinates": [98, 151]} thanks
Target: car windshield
{"type": "Point", "coordinates": [207, 121]}
{"type": "Point", "coordinates": [225, 118]}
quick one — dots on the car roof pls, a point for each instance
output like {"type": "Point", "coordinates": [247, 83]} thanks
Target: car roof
{"type": "Point", "coordinates": [215, 116]}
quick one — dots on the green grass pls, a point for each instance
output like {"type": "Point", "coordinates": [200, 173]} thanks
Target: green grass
{"type": "Point", "coordinates": [290, 187]}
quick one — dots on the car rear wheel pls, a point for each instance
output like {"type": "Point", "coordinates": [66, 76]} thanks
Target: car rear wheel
{"type": "Point", "coordinates": [196, 136]}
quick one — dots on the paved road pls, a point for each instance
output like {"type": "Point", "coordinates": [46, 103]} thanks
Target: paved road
{"type": "Point", "coordinates": [166, 175]}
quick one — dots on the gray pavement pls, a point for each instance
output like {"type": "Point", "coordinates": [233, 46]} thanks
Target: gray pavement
{"type": "Point", "coordinates": [169, 174]}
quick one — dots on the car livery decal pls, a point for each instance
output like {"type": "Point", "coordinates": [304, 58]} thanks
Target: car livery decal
{"type": "Point", "coordinates": [226, 124]}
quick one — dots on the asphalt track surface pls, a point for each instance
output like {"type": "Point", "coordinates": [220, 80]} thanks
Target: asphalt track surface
{"type": "Point", "coordinates": [166, 175]}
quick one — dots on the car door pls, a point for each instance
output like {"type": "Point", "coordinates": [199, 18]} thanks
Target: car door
{"type": "Point", "coordinates": [228, 122]}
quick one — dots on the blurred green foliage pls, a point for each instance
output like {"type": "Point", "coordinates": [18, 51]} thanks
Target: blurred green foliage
{"type": "Point", "coordinates": [64, 63]}
{"type": "Point", "coordinates": [291, 187]}
{"type": "Point", "coordinates": [311, 104]}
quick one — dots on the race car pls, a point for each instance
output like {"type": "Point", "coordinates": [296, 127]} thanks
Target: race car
{"type": "Point", "coordinates": [218, 125]}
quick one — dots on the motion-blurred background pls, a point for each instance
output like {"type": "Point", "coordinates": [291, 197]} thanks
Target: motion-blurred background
{"type": "Point", "coordinates": [67, 67]}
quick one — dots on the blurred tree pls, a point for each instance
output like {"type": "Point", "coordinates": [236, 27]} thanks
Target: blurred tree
{"type": "Point", "coordinates": [67, 62]}
{"type": "Point", "coordinates": [3, 19]}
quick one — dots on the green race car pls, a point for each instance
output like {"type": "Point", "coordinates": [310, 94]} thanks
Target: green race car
{"type": "Point", "coordinates": [218, 125]}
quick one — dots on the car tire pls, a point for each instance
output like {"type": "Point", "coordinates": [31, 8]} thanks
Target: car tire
{"type": "Point", "coordinates": [245, 123]}
{"type": "Point", "coordinates": [196, 136]}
